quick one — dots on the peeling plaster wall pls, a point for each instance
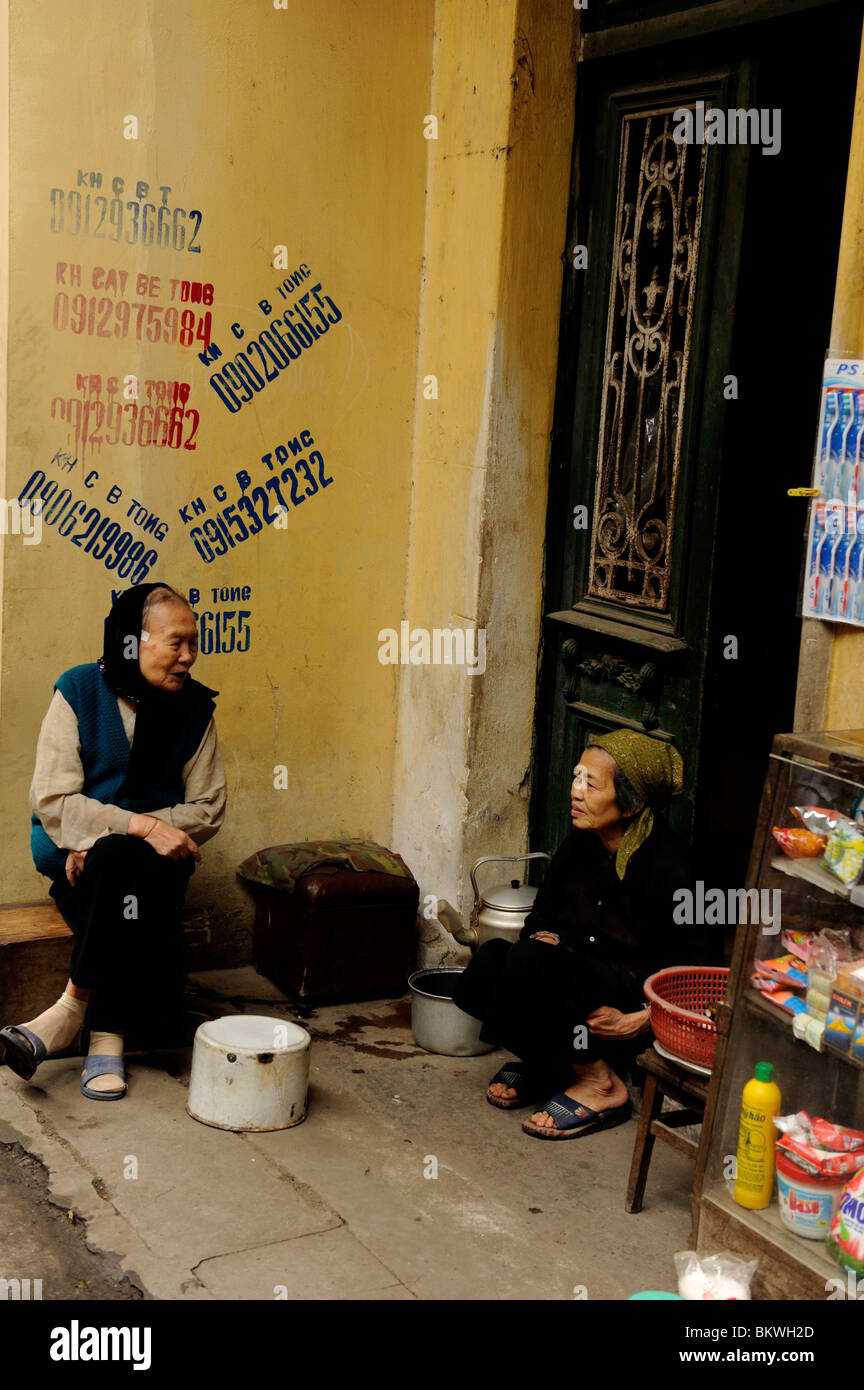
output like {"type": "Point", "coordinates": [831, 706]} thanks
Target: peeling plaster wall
{"type": "Point", "coordinates": [489, 325]}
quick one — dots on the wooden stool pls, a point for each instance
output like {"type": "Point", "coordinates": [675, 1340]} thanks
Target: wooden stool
{"type": "Point", "coordinates": [35, 951]}
{"type": "Point", "coordinates": [664, 1078]}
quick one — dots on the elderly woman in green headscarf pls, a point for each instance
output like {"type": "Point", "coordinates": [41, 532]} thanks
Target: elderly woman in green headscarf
{"type": "Point", "coordinates": [567, 998]}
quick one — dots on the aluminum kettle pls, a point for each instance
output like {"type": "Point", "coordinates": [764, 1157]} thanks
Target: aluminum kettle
{"type": "Point", "coordinates": [501, 910]}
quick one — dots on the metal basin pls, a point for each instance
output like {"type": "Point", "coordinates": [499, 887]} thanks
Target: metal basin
{"type": "Point", "coordinates": [437, 1023]}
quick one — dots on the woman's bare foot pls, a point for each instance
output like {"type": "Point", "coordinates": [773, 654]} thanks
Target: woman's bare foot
{"type": "Point", "coordinates": [501, 1092]}
{"type": "Point", "coordinates": [595, 1085]}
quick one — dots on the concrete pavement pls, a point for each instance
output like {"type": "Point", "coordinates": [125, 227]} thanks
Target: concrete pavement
{"type": "Point", "coordinates": [347, 1204]}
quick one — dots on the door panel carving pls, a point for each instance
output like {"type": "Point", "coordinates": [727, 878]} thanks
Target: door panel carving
{"type": "Point", "coordinates": [655, 257]}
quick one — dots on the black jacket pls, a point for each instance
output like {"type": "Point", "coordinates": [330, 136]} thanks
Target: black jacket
{"type": "Point", "coordinates": [625, 923]}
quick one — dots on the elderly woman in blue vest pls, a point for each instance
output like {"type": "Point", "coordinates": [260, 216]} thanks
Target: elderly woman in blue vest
{"type": "Point", "coordinates": [128, 783]}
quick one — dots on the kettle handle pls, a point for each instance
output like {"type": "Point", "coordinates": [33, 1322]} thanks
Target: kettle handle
{"type": "Point", "coordinates": [504, 859]}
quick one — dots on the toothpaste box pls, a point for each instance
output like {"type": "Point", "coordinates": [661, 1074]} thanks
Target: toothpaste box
{"type": "Point", "coordinates": [844, 1030]}
{"type": "Point", "coordinates": [850, 979]}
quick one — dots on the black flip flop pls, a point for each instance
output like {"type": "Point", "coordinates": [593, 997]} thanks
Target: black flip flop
{"type": "Point", "coordinates": [574, 1120]}
{"type": "Point", "coordinates": [22, 1057]}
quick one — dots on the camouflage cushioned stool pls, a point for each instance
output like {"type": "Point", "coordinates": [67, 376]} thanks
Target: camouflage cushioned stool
{"type": "Point", "coordinates": [334, 919]}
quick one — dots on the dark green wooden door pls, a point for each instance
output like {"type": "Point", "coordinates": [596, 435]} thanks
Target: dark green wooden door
{"type": "Point", "coordinates": [666, 355]}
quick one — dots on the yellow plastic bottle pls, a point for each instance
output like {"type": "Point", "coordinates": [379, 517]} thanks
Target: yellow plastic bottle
{"type": "Point", "coordinates": [760, 1101]}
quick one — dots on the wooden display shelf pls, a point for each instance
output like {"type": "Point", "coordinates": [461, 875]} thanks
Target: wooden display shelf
{"type": "Point", "coordinates": [758, 1004]}
{"type": "Point", "coordinates": [789, 1267]}
{"type": "Point", "coordinates": [824, 769]}
{"type": "Point", "coordinates": [812, 871]}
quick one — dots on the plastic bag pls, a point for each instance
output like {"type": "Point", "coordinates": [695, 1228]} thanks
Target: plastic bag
{"type": "Point", "coordinates": [799, 843]}
{"type": "Point", "coordinates": [845, 1240]}
{"type": "Point", "coordinates": [717, 1278]}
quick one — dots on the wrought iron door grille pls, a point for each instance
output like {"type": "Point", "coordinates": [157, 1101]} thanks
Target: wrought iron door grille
{"type": "Point", "coordinates": [654, 261]}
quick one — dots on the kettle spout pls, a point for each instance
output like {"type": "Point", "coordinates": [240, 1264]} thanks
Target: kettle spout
{"type": "Point", "coordinates": [452, 923]}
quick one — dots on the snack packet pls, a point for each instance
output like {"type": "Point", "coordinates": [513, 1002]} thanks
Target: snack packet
{"type": "Point", "coordinates": [818, 1146]}
{"type": "Point", "coordinates": [838, 1137]}
{"type": "Point", "coordinates": [844, 852]}
{"type": "Point", "coordinates": [819, 819]}
{"type": "Point", "coordinates": [845, 1239]}
{"type": "Point", "coordinates": [821, 1162]}
{"type": "Point", "coordinates": [799, 843]}
{"type": "Point", "coordinates": [798, 942]}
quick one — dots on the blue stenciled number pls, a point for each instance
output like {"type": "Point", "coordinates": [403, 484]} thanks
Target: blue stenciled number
{"type": "Point", "coordinates": [224, 392]}
{"type": "Point", "coordinates": [250, 511]}
{"type": "Point", "coordinates": [197, 537]}
{"type": "Point", "coordinates": [227, 617]}
{"type": "Point", "coordinates": [206, 633]}
{"type": "Point", "coordinates": [325, 482]}
{"type": "Point", "coordinates": [33, 482]}
{"type": "Point", "coordinates": [271, 372]}
{"type": "Point", "coordinates": [307, 473]}
{"type": "Point", "coordinates": [192, 247]}
{"type": "Point", "coordinates": [301, 329]}
{"type": "Point", "coordinates": [236, 382]}
{"type": "Point", "coordinates": [328, 300]}
{"type": "Point", "coordinates": [289, 346]}
{"type": "Point", "coordinates": [249, 373]}
{"type": "Point", "coordinates": [58, 199]}
{"type": "Point", "coordinates": [104, 202]}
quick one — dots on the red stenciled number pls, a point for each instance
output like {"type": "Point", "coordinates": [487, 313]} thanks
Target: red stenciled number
{"type": "Point", "coordinates": [189, 442]}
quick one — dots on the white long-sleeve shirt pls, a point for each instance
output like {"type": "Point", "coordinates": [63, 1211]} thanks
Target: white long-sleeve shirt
{"type": "Point", "coordinates": [75, 822]}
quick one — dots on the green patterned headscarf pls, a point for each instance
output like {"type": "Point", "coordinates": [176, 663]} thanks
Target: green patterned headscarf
{"type": "Point", "coordinates": [655, 772]}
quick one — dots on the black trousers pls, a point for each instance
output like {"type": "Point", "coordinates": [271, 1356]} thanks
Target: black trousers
{"type": "Point", "coordinates": [533, 999]}
{"type": "Point", "coordinates": [124, 912]}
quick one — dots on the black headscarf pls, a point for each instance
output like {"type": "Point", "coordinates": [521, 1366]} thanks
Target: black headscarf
{"type": "Point", "coordinates": [163, 718]}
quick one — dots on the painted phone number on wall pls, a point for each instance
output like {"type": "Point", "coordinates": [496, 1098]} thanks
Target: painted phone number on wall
{"type": "Point", "coordinates": [228, 528]}
{"type": "Point", "coordinates": [276, 346]}
{"type": "Point", "coordinates": [163, 324]}
{"type": "Point", "coordinates": [117, 549]}
{"type": "Point", "coordinates": [74, 213]}
{"type": "Point", "coordinates": [128, 422]}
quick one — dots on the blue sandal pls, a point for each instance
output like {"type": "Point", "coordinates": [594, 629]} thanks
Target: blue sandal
{"type": "Point", "coordinates": [99, 1064]}
{"type": "Point", "coordinates": [521, 1078]}
{"type": "Point", "coordinates": [23, 1057]}
{"type": "Point", "coordinates": [573, 1120]}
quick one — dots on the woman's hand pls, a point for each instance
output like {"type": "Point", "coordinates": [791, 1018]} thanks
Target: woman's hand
{"type": "Point", "coordinates": [607, 1022]}
{"type": "Point", "coordinates": [74, 864]}
{"type": "Point", "coordinates": [551, 936]}
{"type": "Point", "coordinates": [167, 840]}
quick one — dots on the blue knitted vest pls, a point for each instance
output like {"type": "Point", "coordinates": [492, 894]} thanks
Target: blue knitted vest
{"type": "Point", "coordinates": [105, 757]}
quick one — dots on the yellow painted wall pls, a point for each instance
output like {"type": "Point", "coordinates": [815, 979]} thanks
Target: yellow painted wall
{"type": "Point", "coordinates": [498, 190]}
{"type": "Point", "coordinates": [301, 127]}
{"type": "Point", "coordinates": [305, 127]}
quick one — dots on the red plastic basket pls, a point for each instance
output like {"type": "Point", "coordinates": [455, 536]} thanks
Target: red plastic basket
{"type": "Point", "coordinates": [679, 997]}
